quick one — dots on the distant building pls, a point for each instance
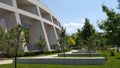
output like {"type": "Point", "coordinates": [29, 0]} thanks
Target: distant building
{"type": "Point", "coordinates": [33, 15]}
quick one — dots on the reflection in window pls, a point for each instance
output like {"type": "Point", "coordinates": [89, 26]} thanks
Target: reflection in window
{"type": "Point", "coordinates": [2, 24]}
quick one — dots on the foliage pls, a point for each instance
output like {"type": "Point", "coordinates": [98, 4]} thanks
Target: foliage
{"type": "Point", "coordinates": [62, 40]}
{"type": "Point", "coordinates": [71, 41]}
{"type": "Point", "coordinates": [88, 35]}
{"type": "Point", "coordinates": [26, 34]}
{"type": "Point", "coordinates": [17, 40]}
{"type": "Point", "coordinates": [40, 53]}
{"type": "Point", "coordinates": [111, 26]}
{"type": "Point", "coordinates": [12, 41]}
{"type": "Point", "coordinates": [78, 40]}
{"type": "Point", "coordinates": [3, 40]}
{"type": "Point", "coordinates": [41, 43]}
{"type": "Point", "coordinates": [112, 53]}
{"type": "Point", "coordinates": [101, 41]}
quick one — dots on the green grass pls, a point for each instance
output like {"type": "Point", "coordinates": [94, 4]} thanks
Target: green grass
{"type": "Point", "coordinates": [112, 62]}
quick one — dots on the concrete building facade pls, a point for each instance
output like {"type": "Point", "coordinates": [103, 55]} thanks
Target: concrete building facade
{"type": "Point", "coordinates": [36, 16]}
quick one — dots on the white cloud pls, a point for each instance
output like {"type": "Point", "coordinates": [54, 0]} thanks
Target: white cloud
{"type": "Point", "coordinates": [73, 26]}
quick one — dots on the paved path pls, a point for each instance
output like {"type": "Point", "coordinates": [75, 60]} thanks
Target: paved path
{"type": "Point", "coordinates": [5, 62]}
{"type": "Point", "coordinates": [48, 56]}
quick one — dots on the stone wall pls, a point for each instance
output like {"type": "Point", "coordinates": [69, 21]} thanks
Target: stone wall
{"type": "Point", "coordinates": [66, 61]}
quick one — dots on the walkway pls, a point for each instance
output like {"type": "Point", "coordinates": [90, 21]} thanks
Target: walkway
{"type": "Point", "coordinates": [48, 56]}
{"type": "Point", "coordinates": [5, 62]}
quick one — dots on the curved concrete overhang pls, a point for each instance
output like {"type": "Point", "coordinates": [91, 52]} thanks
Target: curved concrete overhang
{"type": "Point", "coordinates": [34, 13]}
{"type": "Point", "coordinates": [26, 13]}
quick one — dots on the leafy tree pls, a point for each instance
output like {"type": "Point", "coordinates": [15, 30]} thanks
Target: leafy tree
{"type": "Point", "coordinates": [41, 43]}
{"type": "Point", "coordinates": [103, 41]}
{"type": "Point", "coordinates": [71, 41]}
{"type": "Point", "coordinates": [62, 40]}
{"type": "Point", "coordinates": [111, 26]}
{"type": "Point", "coordinates": [88, 33]}
{"type": "Point", "coordinates": [78, 39]}
{"type": "Point", "coordinates": [74, 35]}
{"type": "Point", "coordinates": [3, 40]}
{"type": "Point", "coordinates": [12, 41]}
{"type": "Point", "coordinates": [16, 40]}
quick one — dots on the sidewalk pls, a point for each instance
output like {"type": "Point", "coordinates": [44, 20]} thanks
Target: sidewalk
{"type": "Point", "coordinates": [48, 56]}
{"type": "Point", "coordinates": [5, 62]}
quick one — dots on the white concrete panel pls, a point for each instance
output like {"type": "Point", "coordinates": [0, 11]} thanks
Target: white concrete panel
{"type": "Point", "coordinates": [10, 20]}
{"type": "Point", "coordinates": [35, 32]}
{"type": "Point", "coordinates": [8, 2]}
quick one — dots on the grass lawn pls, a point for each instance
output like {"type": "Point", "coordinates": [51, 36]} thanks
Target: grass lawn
{"type": "Point", "coordinates": [112, 62]}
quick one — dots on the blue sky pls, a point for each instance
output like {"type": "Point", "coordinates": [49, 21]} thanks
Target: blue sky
{"type": "Point", "coordinates": [72, 13]}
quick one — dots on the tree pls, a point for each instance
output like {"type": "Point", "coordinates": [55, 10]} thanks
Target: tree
{"type": "Point", "coordinates": [16, 39]}
{"type": "Point", "coordinates": [71, 41]}
{"type": "Point", "coordinates": [78, 39]}
{"type": "Point", "coordinates": [111, 26]}
{"type": "Point", "coordinates": [41, 43]}
{"type": "Point", "coordinates": [87, 35]}
{"type": "Point", "coordinates": [12, 41]}
{"type": "Point", "coordinates": [62, 40]}
{"type": "Point", "coordinates": [3, 40]}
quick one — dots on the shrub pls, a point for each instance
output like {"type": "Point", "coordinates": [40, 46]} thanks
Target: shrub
{"type": "Point", "coordinates": [106, 55]}
{"type": "Point", "coordinates": [40, 52]}
{"type": "Point", "coordinates": [117, 50]}
{"type": "Point", "coordinates": [32, 53]}
{"type": "Point", "coordinates": [4, 55]}
{"type": "Point", "coordinates": [112, 53]}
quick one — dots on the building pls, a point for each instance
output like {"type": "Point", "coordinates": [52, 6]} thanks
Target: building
{"type": "Point", "coordinates": [33, 14]}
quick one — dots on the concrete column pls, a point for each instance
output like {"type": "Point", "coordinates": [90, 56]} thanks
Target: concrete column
{"type": "Point", "coordinates": [18, 21]}
{"type": "Point", "coordinates": [14, 3]}
{"type": "Point", "coordinates": [44, 31]}
{"type": "Point", "coordinates": [51, 36]}
{"type": "Point", "coordinates": [37, 29]}
{"type": "Point", "coordinates": [17, 16]}
{"type": "Point", "coordinates": [46, 37]}
{"type": "Point", "coordinates": [38, 10]}
{"type": "Point", "coordinates": [55, 32]}
{"type": "Point", "coordinates": [54, 28]}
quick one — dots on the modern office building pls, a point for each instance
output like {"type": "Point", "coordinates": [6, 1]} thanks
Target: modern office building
{"type": "Point", "coordinates": [33, 15]}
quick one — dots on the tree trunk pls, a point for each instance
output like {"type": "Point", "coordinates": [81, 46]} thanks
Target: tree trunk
{"type": "Point", "coordinates": [64, 51]}
{"type": "Point", "coordinates": [16, 52]}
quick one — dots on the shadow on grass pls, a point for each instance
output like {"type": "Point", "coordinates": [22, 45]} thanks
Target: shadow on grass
{"type": "Point", "coordinates": [118, 58]}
